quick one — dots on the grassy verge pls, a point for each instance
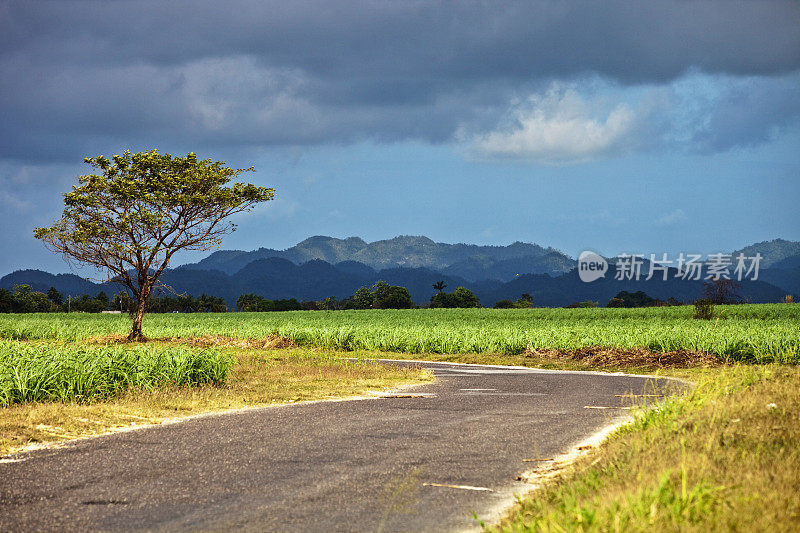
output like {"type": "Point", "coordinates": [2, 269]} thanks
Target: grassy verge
{"type": "Point", "coordinates": [31, 372]}
{"type": "Point", "coordinates": [257, 377]}
{"type": "Point", "coordinates": [723, 458]}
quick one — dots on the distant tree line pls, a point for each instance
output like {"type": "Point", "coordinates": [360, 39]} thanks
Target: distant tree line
{"type": "Point", "coordinates": [380, 296]}
{"type": "Point", "coordinates": [186, 304]}
{"type": "Point", "coordinates": [254, 302]}
{"type": "Point", "coordinates": [637, 299]}
{"type": "Point", "coordinates": [23, 299]}
{"type": "Point", "coordinates": [523, 302]}
{"type": "Point", "coordinates": [717, 291]}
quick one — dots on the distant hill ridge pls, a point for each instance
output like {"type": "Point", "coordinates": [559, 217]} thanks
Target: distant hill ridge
{"type": "Point", "coordinates": [277, 278]}
{"type": "Point", "coordinates": [470, 261]}
{"type": "Point", "coordinates": [492, 272]}
{"type": "Point", "coordinates": [772, 252]}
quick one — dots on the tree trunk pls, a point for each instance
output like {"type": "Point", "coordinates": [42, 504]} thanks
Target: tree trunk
{"type": "Point", "coordinates": [138, 316]}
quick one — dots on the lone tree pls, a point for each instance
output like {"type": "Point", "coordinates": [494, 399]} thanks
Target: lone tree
{"type": "Point", "coordinates": [722, 291]}
{"type": "Point", "coordinates": [139, 209]}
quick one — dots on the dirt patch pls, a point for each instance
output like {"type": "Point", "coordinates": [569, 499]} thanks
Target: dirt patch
{"type": "Point", "coordinates": [206, 341]}
{"type": "Point", "coordinates": [599, 356]}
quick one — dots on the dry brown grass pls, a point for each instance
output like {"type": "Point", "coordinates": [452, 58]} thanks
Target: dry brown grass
{"type": "Point", "coordinates": [259, 377]}
{"type": "Point", "coordinates": [206, 341]}
{"type": "Point", "coordinates": [629, 358]}
{"type": "Point", "coordinates": [600, 358]}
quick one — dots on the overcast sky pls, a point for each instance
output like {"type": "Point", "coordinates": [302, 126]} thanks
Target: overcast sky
{"type": "Point", "coordinates": [639, 127]}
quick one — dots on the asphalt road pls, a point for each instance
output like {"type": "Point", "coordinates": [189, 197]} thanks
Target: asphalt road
{"type": "Point", "coordinates": [362, 465]}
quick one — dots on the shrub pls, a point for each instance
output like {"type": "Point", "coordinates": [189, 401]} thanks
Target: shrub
{"type": "Point", "coordinates": [703, 309]}
{"type": "Point", "coordinates": [582, 305]}
{"type": "Point", "coordinates": [634, 299]}
{"type": "Point", "coordinates": [504, 304]}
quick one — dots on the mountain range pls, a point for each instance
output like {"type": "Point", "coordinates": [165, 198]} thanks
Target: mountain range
{"type": "Point", "coordinates": [319, 267]}
{"type": "Point", "coordinates": [469, 261]}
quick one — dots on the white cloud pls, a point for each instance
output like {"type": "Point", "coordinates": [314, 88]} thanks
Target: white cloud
{"type": "Point", "coordinates": [673, 217]}
{"type": "Point", "coordinates": [561, 127]}
{"type": "Point", "coordinates": [593, 119]}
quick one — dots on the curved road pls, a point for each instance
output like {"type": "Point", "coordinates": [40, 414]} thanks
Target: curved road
{"type": "Point", "coordinates": [368, 465]}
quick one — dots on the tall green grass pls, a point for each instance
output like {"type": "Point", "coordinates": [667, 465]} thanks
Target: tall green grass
{"type": "Point", "coordinates": [33, 372]}
{"type": "Point", "coordinates": [757, 333]}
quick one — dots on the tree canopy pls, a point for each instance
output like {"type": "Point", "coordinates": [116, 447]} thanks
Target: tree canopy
{"type": "Point", "coordinates": [461, 297]}
{"type": "Point", "coordinates": [633, 299]}
{"type": "Point", "coordinates": [138, 210]}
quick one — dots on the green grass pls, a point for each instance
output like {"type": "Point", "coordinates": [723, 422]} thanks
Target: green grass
{"type": "Point", "coordinates": [257, 377]}
{"type": "Point", "coordinates": [758, 333]}
{"type": "Point", "coordinates": [66, 373]}
{"type": "Point", "coordinates": [722, 458]}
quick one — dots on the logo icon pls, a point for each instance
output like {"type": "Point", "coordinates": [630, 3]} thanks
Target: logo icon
{"type": "Point", "coordinates": [591, 266]}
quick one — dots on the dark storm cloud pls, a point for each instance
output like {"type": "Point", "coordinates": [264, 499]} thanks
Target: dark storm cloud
{"type": "Point", "coordinates": [630, 40]}
{"type": "Point", "coordinates": [78, 76]}
{"type": "Point", "coordinates": [750, 113]}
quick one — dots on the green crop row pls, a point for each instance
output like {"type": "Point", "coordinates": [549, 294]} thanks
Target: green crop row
{"type": "Point", "coordinates": [69, 373]}
{"type": "Point", "coordinates": [752, 333]}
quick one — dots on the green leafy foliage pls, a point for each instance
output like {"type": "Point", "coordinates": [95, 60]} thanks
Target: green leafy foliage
{"type": "Point", "coordinates": [380, 296]}
{"type": "Point", "coordinates": [582, 305]}
{"type": "Point", "coordinates": [132, 216]}
{"type": "Point", "coordinates": [633, 299]}
{"type": "Point", "coordinates": [23, 299]}
{"type": "Point", "coordinates": [616, 302]}
{"type": "Point", "coordinates": [255, 303]}
{"type": "Point", "coordinates": [461, 297]}
{"type": "Point", "coordinates": [54, 296]}
{"type": "Point", "coordinates": [524, 302]}
{"type": "Point", "coordinates": [385, 296]}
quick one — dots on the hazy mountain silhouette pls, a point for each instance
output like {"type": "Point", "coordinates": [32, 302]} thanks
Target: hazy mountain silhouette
{"type": "Point", "coordinates": [773, 252]}
{"type": "Point", "coordinates": [68, 284]}
{"type": "Point", "coordinates": [322, 266]}
{"type": "Point", "coordinates": [469, 261]}
{"type": "Point", "coordinates": [785, 274]}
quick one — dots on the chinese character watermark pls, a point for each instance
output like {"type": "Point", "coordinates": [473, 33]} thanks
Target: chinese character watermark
{"type": "Point", "coordinates": [593, 266]}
